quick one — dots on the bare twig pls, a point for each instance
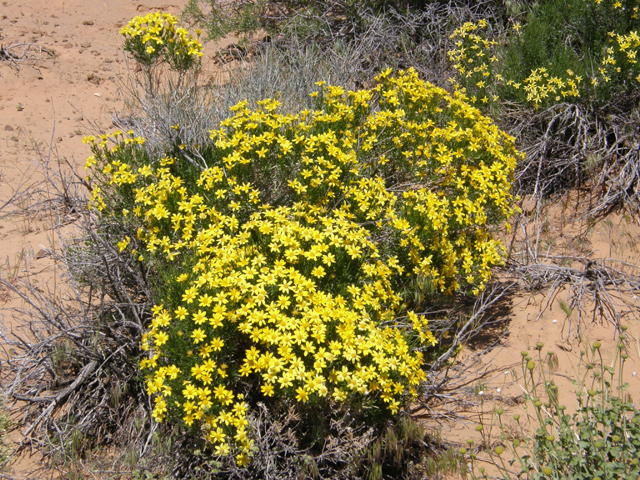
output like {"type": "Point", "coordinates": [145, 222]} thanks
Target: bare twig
{"type": "Point", "coordinates": [16, 54]}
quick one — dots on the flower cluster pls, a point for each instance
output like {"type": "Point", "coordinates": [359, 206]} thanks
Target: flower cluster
{"type": "Point", "coordinates": [542, 88]}
{"type": "Point", "coordinates": [156, 36]}
{"type": "Point", "coordinates": [473, 58]}
{"type": "Point", "coordinates": [294, 251]}
{"type": "Point", "coordinates": [620, 61]}
{"type": "Point", "coordinates": [117, 163]}
{"type": "Point", "coordinates": [618, 6]}
{"type": "Point", "coordinates": [484, 76]}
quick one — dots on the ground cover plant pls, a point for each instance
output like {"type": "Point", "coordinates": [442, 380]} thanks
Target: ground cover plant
{"type": "Point", "coordinates": [601, 439]}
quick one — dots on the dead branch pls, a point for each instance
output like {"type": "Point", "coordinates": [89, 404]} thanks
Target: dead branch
{"type": "Point", "coordinates": [17, 54]}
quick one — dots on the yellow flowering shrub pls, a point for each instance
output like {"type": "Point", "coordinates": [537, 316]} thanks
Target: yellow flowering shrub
{"type": "Point", "coordinates": [580, 51]}
{"type": "Point", "coordinates": [155, 37]}
{"type": "Point", "coordinates": [620, 64]}
{"type": "Point", "coordinates": [285, 264]}
{"type": "Point", "coordinates": [473, 58]}
{"type": "Point", "coordinates": [544, 89]}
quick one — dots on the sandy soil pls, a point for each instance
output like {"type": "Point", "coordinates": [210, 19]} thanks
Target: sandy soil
{"type": "Point", "coordinates": [50, 102]}
{"type": "Point", "coordinates": [68, 82]}
{"type": "Point", "coordinates": [65, 86]}
{"type": "Point", "coordinates": [531, 317]}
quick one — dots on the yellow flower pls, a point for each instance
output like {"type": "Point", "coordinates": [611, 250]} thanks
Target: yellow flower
{"type": "Point", "coordinates": [124, 243]}
{"type": "Point", "coordinates": [205, 300]}
{"type": "Point", "coordinates": [181, 312]}
{"type": "Point", "coordinates": [302, 395]}
{"type": "Point", "coordinates": [318, 272]}
{"type": "Point", "coordinates": [217, 343]}
{"type": "Point", "coordinates": [198, 335]}
{"type": "Point", "coordinates": [267, 390]}
{"type": "Point", "coordinates": [190, 391]}
{"type": "Point", "coordinates": [200, 317]}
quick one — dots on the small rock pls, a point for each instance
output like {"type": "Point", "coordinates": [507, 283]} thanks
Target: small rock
{"type": "Point", "coordinates": [79, 118]}
{"type": "Point", "coordinates": [59, 139]}
{"type": "Point", "coordinates": [8, 128]}
{"type": "Point", "coordinates": [88, 22]}
{"type": "Point", "coordinates": [85, 44]}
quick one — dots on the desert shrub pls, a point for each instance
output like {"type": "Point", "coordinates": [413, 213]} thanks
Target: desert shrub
{"type": "Point", "coordinates": [563, 78]}
{"type": "Point", "coordinates": [385, 34]}
{"type": "Point", "coordinates": [282, 263]}
{"type": "Point", "coordinates": [574, 35]}
{"type": "Point", "coordinates": [600, 440]}
{"type": "Point", "coordinates": [487, 76]}
{"type": "Point", "coordinates": [306, 20]}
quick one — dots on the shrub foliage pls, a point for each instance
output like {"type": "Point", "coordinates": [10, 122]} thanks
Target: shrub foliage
{"type": "Point", "coordinates": [571, 51]}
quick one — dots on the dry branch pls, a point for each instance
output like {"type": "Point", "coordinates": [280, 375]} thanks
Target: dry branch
{"type": "Point", "coordinates": [571, 147]}
{"type": "Point", "coordinates": [17, 54]}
